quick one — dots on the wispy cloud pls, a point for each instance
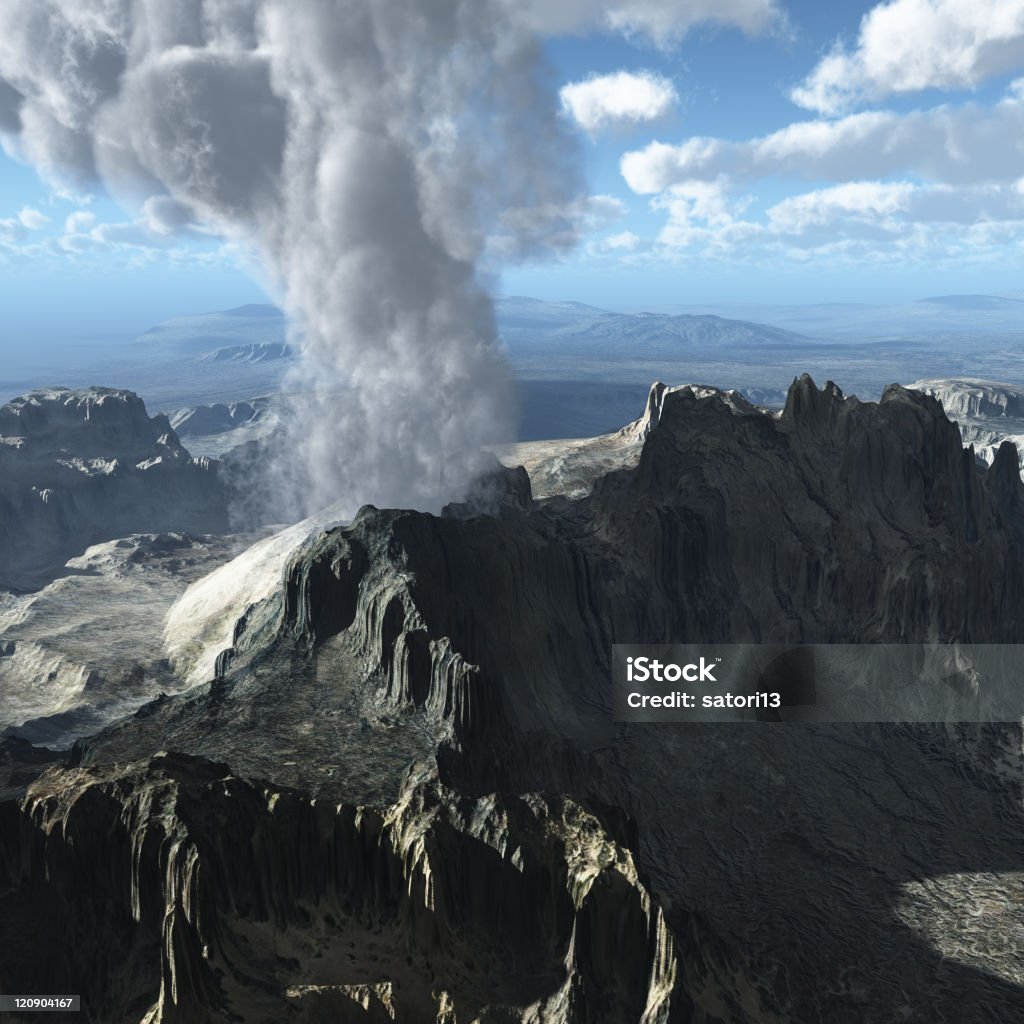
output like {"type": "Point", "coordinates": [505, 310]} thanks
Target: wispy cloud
{"type": "Point", "coordinates": [663, 22]}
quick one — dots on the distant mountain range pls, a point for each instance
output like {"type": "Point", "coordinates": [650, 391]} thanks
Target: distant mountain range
{"type": "Point", "coordinates": [528, 325]}
{"type": "Point", "coordinates": [966, 318]}
{"type": "Point", "coordinates": [999, 302]}
{"type": "Point", "coordinates": [230, 328]}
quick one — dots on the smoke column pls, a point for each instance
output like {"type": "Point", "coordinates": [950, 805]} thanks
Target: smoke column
{"type": "Point", "coordinates": [371, 152]}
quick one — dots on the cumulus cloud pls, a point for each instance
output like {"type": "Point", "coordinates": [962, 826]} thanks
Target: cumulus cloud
{"type": "Point", "coordinates": [704, 214]}
{"type": "Point", "coordinates": [928, 184]}
{"type": "Point", "coordinates": [367, 151]}
{"type": "Point", "coordinates": [624, 96]}
{"type": "Point", "coordinates": [860, 199]}
{"type": "Point", "coordinates": [661, 21]}
{"type": "Point", "coordinates": [857, 221]}
{"type": "Point", "coordinates": [908, 45]}
{"type": "Point", "coordinates": [958, 144]}
{"type": "Point", "coordinates": [33, 219]}
{"type": "Point", "coordinates": [79, 222]}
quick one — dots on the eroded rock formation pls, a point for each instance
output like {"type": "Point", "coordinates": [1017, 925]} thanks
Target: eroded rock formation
{"type": "Point", "coordinates": [80, 467]}
{"type": "Point", "coordinates": [220, 898]}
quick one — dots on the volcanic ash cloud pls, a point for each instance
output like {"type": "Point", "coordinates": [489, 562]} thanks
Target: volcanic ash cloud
{"type": "Point", "coordinates": [371, 152]}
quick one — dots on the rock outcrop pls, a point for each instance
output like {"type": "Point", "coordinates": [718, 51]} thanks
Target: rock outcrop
{"type": "Point", "coordinates": [171, 890]}
{"type": "Point", "coordinates": [986, 412]}
{"type": "Point", "coordinates": [217, 418]}
{"type": "Point", "coordinates": [80, 467]}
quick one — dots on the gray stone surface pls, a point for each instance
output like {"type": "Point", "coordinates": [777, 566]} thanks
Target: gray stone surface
{"type": "Point", "coordinates": [81, 467]}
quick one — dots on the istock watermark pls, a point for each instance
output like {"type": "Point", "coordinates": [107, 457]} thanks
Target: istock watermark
{"type": "Point", "coordinates": [818, 682]}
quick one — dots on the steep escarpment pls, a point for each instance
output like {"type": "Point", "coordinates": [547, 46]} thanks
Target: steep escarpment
{"type": "Point", "coordinates": [838, 521]}
{"type": "Point", "coordinates": [81, 467]}
{"type": "Point", "coordinates": [171, 890]}
{"type": "Point", "coordinates": [790, 862]}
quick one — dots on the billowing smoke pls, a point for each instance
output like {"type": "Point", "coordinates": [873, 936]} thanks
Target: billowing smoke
{"type": "Point", "coordinates": [371, 152]}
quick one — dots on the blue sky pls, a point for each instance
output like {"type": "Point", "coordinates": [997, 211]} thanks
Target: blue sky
{"type": "Point", "coordinates": [807, 155]}
{"type": "Point", "coordinates": [857, 227]}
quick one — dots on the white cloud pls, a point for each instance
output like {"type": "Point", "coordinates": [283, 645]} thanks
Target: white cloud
{"type": "Point", "coordinates": [33, 219]}
{"type": "Point", "coordinates": [623, 96]}
{"type": "Point", "coordinates": [939, 184]}
{"type": "Point", "coordinates": [706, 201]}
{"type": "Point", "coordinates": [663, 22]}
{"type": "Point", "coordinates": [855, 222]}
{"type": "Point", "coordinates": [963, 145]}
{"type": "Point", "coordinates": [859, 199]}
{"type": "Point", "coordinates": [908, 45]}
{"type": "Point", "coordinates": [79, 222]}
{"type": "Point", "coordinates": [659, 165]}
{"type": "Point", "coordinates": [704, 214]}
{"type": "Point", "coordinates": [625, 241]}
{"type": "Point", "coordinates": [80, 237]}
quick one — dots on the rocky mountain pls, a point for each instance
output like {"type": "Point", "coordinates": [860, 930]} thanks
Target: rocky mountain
{"type": "Point", "coordinates": [80, 467]}
{"type": "Point", "coordinates": [519, 312]}
{"type": "Point", "coordinates": [213, 419]}
{"type": "Point", "coordinates": [256, 352]}
{"type": "Point", "coordinates": [987, 413]}
{"type": "Point", "coordinates": [403, 795]}
{"type": "Point", "coordinates": [974, 321]}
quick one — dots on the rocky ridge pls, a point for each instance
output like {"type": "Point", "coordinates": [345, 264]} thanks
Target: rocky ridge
{"type": "Point", "coordinates": [986, 412]}
{"type": "Point", "coordinates": [81, 467]}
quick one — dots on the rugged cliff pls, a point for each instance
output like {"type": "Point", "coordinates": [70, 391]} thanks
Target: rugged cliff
{"type": "Point", "coordinates": [80, 467]}
{"type": "Point", "coordinates": [804, 873]}
{"type": "Point", "coordinates": [219, 898]}
{"type": "Point", "coordinates": [986, 412]}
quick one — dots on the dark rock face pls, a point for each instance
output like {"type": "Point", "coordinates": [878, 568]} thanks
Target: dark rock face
{"type": "Point", "coordinates": [80, 467]}
{"type": "Point", "coordinates": [212, 891]}
{"type": "Point", "coordinates": [21, 763]}
{"type": "Point", "coordinates": [805, 873]}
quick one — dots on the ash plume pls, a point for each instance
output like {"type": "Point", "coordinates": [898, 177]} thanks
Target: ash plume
{"type": "Point", "coordinates": [371, 153]}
